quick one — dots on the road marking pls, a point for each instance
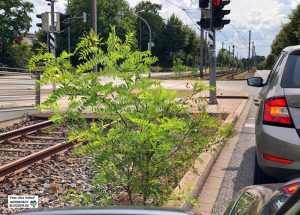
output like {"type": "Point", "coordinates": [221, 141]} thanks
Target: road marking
{"type": "Point", "coordinates": [249, 125]}
{"type": "Point", "coordinates": [252, 118]}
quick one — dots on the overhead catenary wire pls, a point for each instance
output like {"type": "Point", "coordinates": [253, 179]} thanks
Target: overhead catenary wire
{"type": "Point", "coordinates": [184, 10]}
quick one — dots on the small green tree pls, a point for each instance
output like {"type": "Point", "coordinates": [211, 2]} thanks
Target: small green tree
{"type": "Point", "coordinates": [15, 21]}
{"type": "Point", "coordinates": [155, 138]}
{"type": "Point", "coordinates": [20, 54]}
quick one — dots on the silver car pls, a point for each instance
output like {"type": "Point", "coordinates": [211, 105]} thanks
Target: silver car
{"type": "Point", "coordinates": [278, 119]}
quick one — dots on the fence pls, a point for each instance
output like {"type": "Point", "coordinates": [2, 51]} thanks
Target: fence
{"type": "Point", "coordinates": [18, 90]}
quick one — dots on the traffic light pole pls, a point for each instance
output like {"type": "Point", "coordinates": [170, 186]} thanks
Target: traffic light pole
{"type": "Point", "coordinates": [212, 79]}
{"type": "Point", "coordinates": [52, 35]}
{"type": "Point", "coordinates": [201, 47]}
{"type": "Point", "coordinates": [94, 22]}
{"type": "Point", "coordinates": [69, 30]}
{"type": "Point", "coordinates": [249, 51]}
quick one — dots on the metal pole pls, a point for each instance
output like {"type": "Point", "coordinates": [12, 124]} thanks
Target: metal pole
{"type": "Point", "coordinates": [48, 42]}
{"type": "Point", "coordinates": [201, 47]}
{"type": "Point", "coordinates": [69, 30]}
{"type": "Point", "coordinates": [232, 76]}
{"type": "Point", "coordinates": [249, 51]}
{"type": "Point", "coordinates": [53, 51]}
{"type": "Point", "coordinates": [37, 89]}
{"type": "Point", "coordinates": [212, 80]}
{"type": "Point", "coordinates": [94, 16]}
{"type": "Point", "coordinates": [94, 22]}
{"type": "Point", "coordinates": [150, 40]}
{"type": "Point", "coordinates": [140, 34]}
{"type": "Point", "coordinates": [205, 52]}
{"type": "Point", "coordinates": [222, 56]}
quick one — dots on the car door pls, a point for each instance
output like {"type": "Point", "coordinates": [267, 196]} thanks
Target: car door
{"type": "Point", "coordinates": [291, 84]}
{"type": "Point", "coordinates": [269, 85]}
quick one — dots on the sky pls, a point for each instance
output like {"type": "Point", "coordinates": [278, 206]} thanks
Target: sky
{"type": "Point", "coordinates": [263, 17]}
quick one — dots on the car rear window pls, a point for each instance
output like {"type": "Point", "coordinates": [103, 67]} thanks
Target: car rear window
{"type": "Point", "coordinates": [291, 75]}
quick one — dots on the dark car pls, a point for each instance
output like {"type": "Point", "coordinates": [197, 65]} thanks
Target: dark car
{"type": "Point", "coordinates": [277, 126]}
{"type": "Point", "coordinates": [108, 211]}
{"type": "Point", "coordinates": [262, 199]}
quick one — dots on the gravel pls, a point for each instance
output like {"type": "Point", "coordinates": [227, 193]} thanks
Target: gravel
{"type": "Point", "coordinates": [240, 172]}
{"type": "Point", "coordinates": [50, 180]}
{"type": "Point", "coordinates": [27, 149]}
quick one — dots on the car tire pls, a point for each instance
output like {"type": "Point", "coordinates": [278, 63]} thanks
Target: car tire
{"type": "Point", "coordinates": [260, 177]}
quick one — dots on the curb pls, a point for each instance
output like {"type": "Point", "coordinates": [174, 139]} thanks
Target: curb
{"type": "Point", "coordinates": [193, 181]}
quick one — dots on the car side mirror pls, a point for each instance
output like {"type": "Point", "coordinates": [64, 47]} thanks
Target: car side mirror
{"type": "Point", "coordinates": [255, 82]}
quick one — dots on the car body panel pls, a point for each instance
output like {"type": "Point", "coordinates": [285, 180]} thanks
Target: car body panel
{"type": "Point", "coordinates": [251, 199]}
{"type": "Point", "coordinates": [279, 141]}
{"type": "Point", "coordinates": [107, 211]}
{"type": "Point", "coordinates": [263, 199]}
{"type": "Point", "coordinates": [292, 96]}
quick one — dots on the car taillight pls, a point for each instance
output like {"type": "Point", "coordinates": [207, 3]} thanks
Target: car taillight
{"type": "Point", "coordinates": [277, 159]}
{"type": "Point", "coordinates": [291, 188]}
{"type": "Point", "coordinates": [276, 111]}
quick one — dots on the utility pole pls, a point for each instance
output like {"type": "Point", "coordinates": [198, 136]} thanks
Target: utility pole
{"type": "Point", "coordinates": [253, 54]}
{"type": "Point", "coordinates": [222, 55]}
{"type": "Point", "coordinates": [229, 51]}
{"type": "Point", "coordinates": [249, 51]}
{"type": "Point", "coordinates": [94, 21]}
{"type": "Point", "coordinates": [201, 47]}
{"type": "Point", "coordinates": [140, 34]}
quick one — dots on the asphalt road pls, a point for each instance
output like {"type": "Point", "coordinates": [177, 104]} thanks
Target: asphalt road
{"type": "Point", "coordinates": [240, 172]}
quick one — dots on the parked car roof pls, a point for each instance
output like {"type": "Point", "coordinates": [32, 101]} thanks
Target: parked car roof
{"type": "Point", "coordinates": [291, 48]}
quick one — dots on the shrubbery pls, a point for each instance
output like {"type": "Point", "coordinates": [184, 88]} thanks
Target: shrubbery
{"type": "Point", "coordinates": [142, 157]}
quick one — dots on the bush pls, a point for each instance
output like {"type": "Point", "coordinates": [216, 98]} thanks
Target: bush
{"type": "Point", "coordinates": [142, 157]}
{"type": "Point", "coordinates": [179, 67]}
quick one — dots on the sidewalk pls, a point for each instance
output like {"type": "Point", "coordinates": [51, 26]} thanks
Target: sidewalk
{"type": "Point", "coordinates": [209, 192]}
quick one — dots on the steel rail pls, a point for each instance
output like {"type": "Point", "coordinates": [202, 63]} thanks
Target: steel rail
{"type": "Point", "coordinates": [22, 163]}
{"type": "Point", "coordinates": [25, 130]}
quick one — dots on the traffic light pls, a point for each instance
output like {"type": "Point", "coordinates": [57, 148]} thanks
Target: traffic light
{"type": "Point", "coordinates": [204, 23]}
{"type": "Point", "coordinates": [45, 21]}
{"type": "Point", "coordinates": [203, 4]}
{"type": "Point", "coordinates": [218, 13]}
{"type": "Point", "coordinates": [205, 19]}
{"type": "Point", "coordinates": [62, 21]}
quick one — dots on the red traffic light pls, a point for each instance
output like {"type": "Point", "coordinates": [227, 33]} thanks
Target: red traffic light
{"type": "Point", "coordinates": [217, 3]}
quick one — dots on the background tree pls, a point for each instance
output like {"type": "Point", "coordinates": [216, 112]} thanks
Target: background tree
{"type": "Point", "coordinates": [15, 21]}
{"type": "Point", "coordinates": [106, 17]}
{"type": "Point", "coordinates": [226, 60]}
{"type": "Point", "coordinates": [173, 39]}
{"type": "Point", "coordinates": [192, 44]}
{"type": "Point", "coordinates": [288, 36]}
{"type": "Point", "coordinates": [150, 12]}
{"type": "Point", "coordinates": [20, 54]}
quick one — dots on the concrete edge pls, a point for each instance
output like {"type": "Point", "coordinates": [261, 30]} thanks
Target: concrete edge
{"type": "Point", "coordinates": [193, 182]}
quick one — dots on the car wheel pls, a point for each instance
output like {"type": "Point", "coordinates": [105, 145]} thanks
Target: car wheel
{"type": "Point", "coordinates": [260, 177]}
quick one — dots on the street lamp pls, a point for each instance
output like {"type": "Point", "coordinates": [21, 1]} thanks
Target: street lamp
{"type": "Point", "coordinates": [150, 43]}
